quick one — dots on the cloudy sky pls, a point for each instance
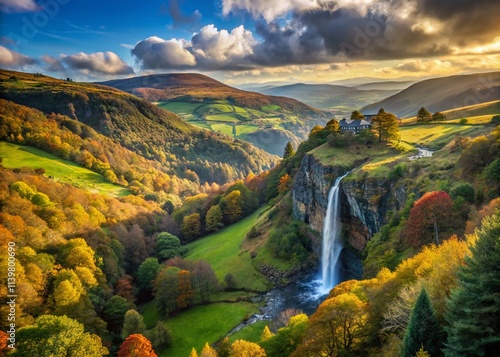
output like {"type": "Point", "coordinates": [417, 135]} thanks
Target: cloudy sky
{"type": "Point", "coordinates": [241, 41]}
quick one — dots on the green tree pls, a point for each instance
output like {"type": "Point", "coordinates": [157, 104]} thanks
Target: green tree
{"type": "Point", "coordinates": [133, 323]}
{"type": "Point", "coordinates": [224, 348]}
{"type": "Point", "coordinates": [287, 338]}
{"type": "Point", "coordinates": [57, 336]}
{"type": "Point", "coordinates": [356, 115]}
{"type": "Point", "coordinates": [169, 246]}
{"type": "Point", "coordinates": [472, 315]}
{"type": "Point", "coordinates": [438, 116]}
{"type": "Point", "coordinates": [289, 151]}
{"type": "Point", "coordinates": [159, 336]}
{"type": "Point", "coordinates": [114, 312]}
{"type": "Point", "coordinates": [165, 288]}
{"type": "Point", "coordinates": [423, 115]}
{"type": "Point", "coordinates": [423, 329]}
{"type": "Point", "coordinates": [386, 126]}
{"type": "Point", "coordinates": [147, 272]}
{"type": "Point", "coordinates": [214, 219]}
{"type": "Point", "coordinates": [464, 190]}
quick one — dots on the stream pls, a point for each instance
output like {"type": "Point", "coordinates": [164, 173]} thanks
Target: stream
{"type": "Point", "coordinates": [303, 294]}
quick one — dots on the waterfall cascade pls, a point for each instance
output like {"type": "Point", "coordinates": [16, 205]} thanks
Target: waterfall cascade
{"type": "Point", "coordinates": [332, 242]}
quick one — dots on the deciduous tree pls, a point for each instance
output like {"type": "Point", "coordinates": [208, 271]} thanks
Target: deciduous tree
{"type": "Point", "coordinates": [136, 345]}
{"type": "Point", "coordinates": [57, 336]}
{"type": "Point", "coordinates": [429, 217]}
{"type": "Point", "coordinates": [386, 126]}
{"type": "Point", "coordinates": [423, 115]}
{"type": "Point", "coordinates": [133, 323]}
{"type": "Point", "coordinates": [191, 226]}
{"type": "Point", "coordinates": [214, 219]}
{"type": "Point", "coordinates": [242, 348]}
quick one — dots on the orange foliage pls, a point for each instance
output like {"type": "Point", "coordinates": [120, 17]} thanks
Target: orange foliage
{"type": "Point", "coordinates": [136, 345]}
{"type": "Point", "coordinates": [428, 218]}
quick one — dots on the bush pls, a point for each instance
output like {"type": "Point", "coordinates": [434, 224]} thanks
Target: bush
{"type": "Point", "coordinates": [464, 190]}
{"type": "Point", "coordinates": [397, 172]}
{"type": "Point", "coordinates": [463, 121]}
{"type": "Point", "coordinates": [495, 119]}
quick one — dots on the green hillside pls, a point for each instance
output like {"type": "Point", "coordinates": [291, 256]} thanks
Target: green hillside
{"type": "Point", "coordinates": [209, 104]}
{"type": "Point", "coordinates": [138, 125]}
{"type": "Point", "coordinates": [64, 171]}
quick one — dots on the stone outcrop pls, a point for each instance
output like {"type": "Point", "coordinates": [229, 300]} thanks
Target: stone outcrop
{"type": "Point", "coordinates": [365, 200]}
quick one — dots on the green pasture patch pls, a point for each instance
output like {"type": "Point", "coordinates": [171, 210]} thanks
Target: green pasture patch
{"type": "Point", "coordinates": [16, 156]}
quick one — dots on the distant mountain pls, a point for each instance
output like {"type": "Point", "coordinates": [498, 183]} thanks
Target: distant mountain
{"type": "Point", "coordinates": [388, 85]}
{"type": "Point", "coordinates": [440, 94]}
{"type": "Point", "coordinates": [140, 126]}
{"type": "Point", "coordinates": [339, 100]}
{"type": "Point", "coordinates": [352, 82]}
{"type": "Point", "coordinates": [197, 87]}
{"type": "Point", "coordinates": [268, 122]}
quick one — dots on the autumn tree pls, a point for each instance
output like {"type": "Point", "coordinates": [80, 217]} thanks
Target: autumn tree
{"type": "Point", "coordinates": [136, 345]}
{"type": "Point", "coordinates": [284, 184]}
{"type": "Point", "coordinates": [429, 218]}
{"type": "Point", "coordinates": [287, 338]}
{"type": "Point", "coordinates": [191, 226]}
{"type": "Point", "coordinates": [57, 336]}
{"type": "Point", "coordinates": [289, 151]}
{"type": "Point", "coordinates": [224, 348]}
{"type": "Point", "coordinates": [266, 334]}
{"type": "Point", "coordinates": [472, 315]}
{"type": "Point", "coordinates": [208, 351]}
{"type": "Point", "coordinates": [336, 328]}
{"type": "Point", "coordinates": [242, 348]}
{"type": "Point", "coordinates": [356, 115]}
{"type": "Point", "coordinates": [423, 115]}
{"type": "Point", "coordinates": [386, 126]}
{"type": "Point", "coordinates": [205, 282]}
{"type": "Point", "coordinates": [231, 206]}
{"type": "Point", "coordinates": [214, 219]}
{"type": "Point", "coordinates": [133, 322]}
{"type": "Point", "coordinates": [423, 329]}
{"type": "Point", "coordinates": [185, 292]}
{"type": "Point", "coordinates": [438, 116]}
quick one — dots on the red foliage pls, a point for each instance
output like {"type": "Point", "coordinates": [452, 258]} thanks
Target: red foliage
{"type": "Point", "coordinates": [429, 218]}
{"type": "Point", "coordinates": [136, 345]}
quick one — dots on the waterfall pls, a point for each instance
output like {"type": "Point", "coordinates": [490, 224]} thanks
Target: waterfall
{"type": "Point", "coordinates": [332, 241]}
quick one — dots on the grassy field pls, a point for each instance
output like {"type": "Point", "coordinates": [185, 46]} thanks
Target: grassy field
{"type": "Point", "coordinates": [435, 136]}
{"type": "Point", "coordinates": [251, 333]}
{"type": "Point", "coordinates": [65, 171]}
{"type": "Point", "coordinates": [223, 251]}
{"type": "Point", "coordinates": [200, 324]}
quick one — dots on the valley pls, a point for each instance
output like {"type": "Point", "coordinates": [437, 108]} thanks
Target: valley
{"type": "Point", "coordinates": [136, 219]}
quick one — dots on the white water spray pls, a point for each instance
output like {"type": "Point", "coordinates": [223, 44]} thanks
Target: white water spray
{"type": "Point", "coordinates": [332, 242]}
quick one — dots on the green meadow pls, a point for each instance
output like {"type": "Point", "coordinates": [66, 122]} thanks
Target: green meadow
{"type": "Point", "coordinates": [17, 156]}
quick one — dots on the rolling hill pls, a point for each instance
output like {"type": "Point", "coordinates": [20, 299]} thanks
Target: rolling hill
{"type": "Point", "coordinates": [156, 134]}
{"type": "Point", "coordinates": [440, 94]}
{"type": "Point", "coordinates": [340, 100]}
{"type": "Point", "coordinates": [268, 122]}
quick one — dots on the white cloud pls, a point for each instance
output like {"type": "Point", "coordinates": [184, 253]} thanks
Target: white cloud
{"type": "Point", "coordinates": [14, 60]}
{"type": "Point", "coordinates": [18, 6]}
{"type": "Point", "coordinates": [98, 62]}
{"type": "Point", "coordinates": [215, 49]}
{"type": "Point", "coordinates": [268, 9]}
{"type": "Point", "coordinates": [157, 53]}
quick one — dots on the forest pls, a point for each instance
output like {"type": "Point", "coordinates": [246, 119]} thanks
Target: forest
{"type": "Point", "coordinates": [99, 274]}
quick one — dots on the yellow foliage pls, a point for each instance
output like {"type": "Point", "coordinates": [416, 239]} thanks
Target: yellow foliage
{"type": "Point", "coordinates": [242, 348]}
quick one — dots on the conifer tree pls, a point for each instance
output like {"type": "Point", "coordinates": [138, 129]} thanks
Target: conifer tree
{"type": "Point", "coordinates": [208, 351]}
{"type": "Point", "coordinates": [423, 329]}
{"type": "Point", "coordinates": [473, 308]}
{"type": "Point", "coordinates": [224, 348]}
{"type": "Point", "coordinates": [289, 151]}
{"type": "Point", "coordinates": [266, 334]}
{"type": "Point", "coordinates": [193, 353]}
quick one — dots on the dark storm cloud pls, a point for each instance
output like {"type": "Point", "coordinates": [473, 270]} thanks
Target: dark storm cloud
{"type": "Point", "coordinates": [173, 9]}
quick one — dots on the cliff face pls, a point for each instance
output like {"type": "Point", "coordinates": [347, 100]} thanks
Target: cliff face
{"type": "Point", "coordinates": [365, 201]}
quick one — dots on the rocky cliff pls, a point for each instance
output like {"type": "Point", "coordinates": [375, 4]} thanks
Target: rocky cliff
{"type": "Point", "coordinates": [365, 200]}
